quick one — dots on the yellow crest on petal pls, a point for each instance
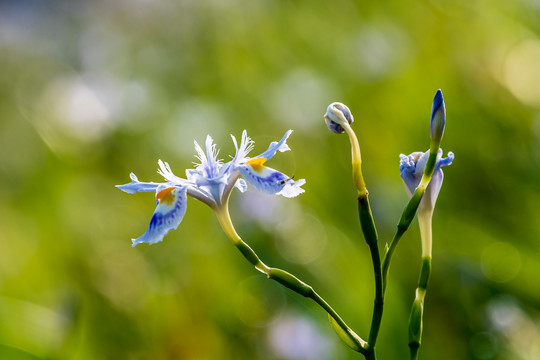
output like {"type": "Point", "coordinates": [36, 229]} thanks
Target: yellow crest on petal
{"type": "Point", "coordinates": [257, 164]}
{"type": "Point", "coordinates": [166, 196]}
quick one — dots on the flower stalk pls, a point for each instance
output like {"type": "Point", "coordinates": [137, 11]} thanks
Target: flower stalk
{"type": "Point", "coordinates": [417, 171]}
{"type": "Point", "coordinates": [338, 118]}
{"type": "Point", "coordinates": [416, 317]}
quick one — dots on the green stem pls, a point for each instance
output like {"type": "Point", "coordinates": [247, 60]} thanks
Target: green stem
{"type": "Point", "coordinates": [416, 318]}
{"type": "Point", "coordinates": [371, 237]}
{"type": "Point", "coordinates": [413, 352]}
{"type": "Point", "coordinates": [283, 277]}
{"type": "Point", "coordinates": [370, 354]}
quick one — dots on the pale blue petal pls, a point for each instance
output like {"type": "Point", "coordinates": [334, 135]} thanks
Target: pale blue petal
{"type": "Point", "coordinates": [447, 160]}
{"type": "Point", "coordinates": [274, 147]}
{"type": "Point", "coordinates": [136, 186]}
{"type": "Point", "coordinates": [407, 167]}
{"type": "Point", "coordinates": [171, 208]}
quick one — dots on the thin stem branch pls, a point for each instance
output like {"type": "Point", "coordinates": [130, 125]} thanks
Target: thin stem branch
{"type": "Point", "coordinates": [283, 277]}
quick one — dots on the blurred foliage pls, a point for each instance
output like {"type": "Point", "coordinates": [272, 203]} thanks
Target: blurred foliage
{"type": "Point", "coordinates": [92, 90]}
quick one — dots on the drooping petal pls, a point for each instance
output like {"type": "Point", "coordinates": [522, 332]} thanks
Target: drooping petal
{"type": "Point", "coordinates": [241, 185]}
{"type": "Point", "coordinates": [292, 188]}
{"type": "Point", "coordinates": [276, 146]}
{"type": "Point", "coordinates": [136, 186]}
{"type": "Point", "coordinates": [170, 210]}
{"type": "Point", "coordinates": [269, 180]}
{"type": "Point", "coordinates": [447, 160]}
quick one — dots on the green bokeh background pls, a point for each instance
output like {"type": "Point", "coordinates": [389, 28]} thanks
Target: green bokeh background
{"type": "Point", "coordinates": [92, 90]}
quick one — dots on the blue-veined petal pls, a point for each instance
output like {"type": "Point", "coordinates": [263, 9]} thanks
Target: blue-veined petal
{"type": "Point", "coordinates": [412, 169]}
{"type": "Point", "coordinates": [136, 186]}
{"type": "Point", "coordinates": [170, 210]}
{"type": "Point", "coordinates": [269, 180]}
{"type": "Point", "coordinates": [275, 146]}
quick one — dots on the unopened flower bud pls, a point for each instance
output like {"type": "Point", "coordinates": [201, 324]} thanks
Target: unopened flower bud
{"type": "Point", "coordinates": [337, 115]}
{"type": "Point", "coordinates": [438, 117]}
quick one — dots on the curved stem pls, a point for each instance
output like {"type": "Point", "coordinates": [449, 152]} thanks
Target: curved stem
{"type": "Point", "coordinates": [371, 237]}
{"type": "Point", "coordinates": [284, 278]}
{"type": "Point", "coordinates": [356, 159]}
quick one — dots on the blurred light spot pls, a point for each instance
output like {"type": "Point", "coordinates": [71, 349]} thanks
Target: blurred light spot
{"type": "Point", "coordinates": [521, 72]}
{"type": "Point", "coordinates": [78, 109]}
{"type": "Point", "coordinates": [70, 115]}
{"type": "Point", "coordinates": [31, 327]}
{"type": "Point", "coordinates": [501, 262]}
{"type": "Point", "coordinates": [301, 239]}
{"type": "Point", "coordinates": [295, 337]}
{"type": "Point", "coordinates": [297, 99]}
{"type": "Point", "coordinates": [266, 209]}
{"type": "Point", "coordinates": [194, 119]}
{"type": "Point", "coordinates": [517, 327]}
{"type": "Point", "coordinates": [103, 49]}
{"type": "Point", "coordinates": [504, 313]}
{"type": "Point", "coordinates": [377, 51]}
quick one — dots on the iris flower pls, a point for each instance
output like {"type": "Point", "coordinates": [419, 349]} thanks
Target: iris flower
{"type": "Point", "coordinates": [412, 168]}
{"type": "Point", "coordinates": [211, 182]}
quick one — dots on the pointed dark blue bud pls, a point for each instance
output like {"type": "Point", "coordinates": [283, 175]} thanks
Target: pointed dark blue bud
{"type": "Point", "coordinates": [438, 117]}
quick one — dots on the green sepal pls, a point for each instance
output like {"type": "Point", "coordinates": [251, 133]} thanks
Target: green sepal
{"type": "Point", "coordinates": [425, 271]}
{"type": "Point", "coordinates": [415, 322]}
{"type": "Point", "coordinates": [349, 337]}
